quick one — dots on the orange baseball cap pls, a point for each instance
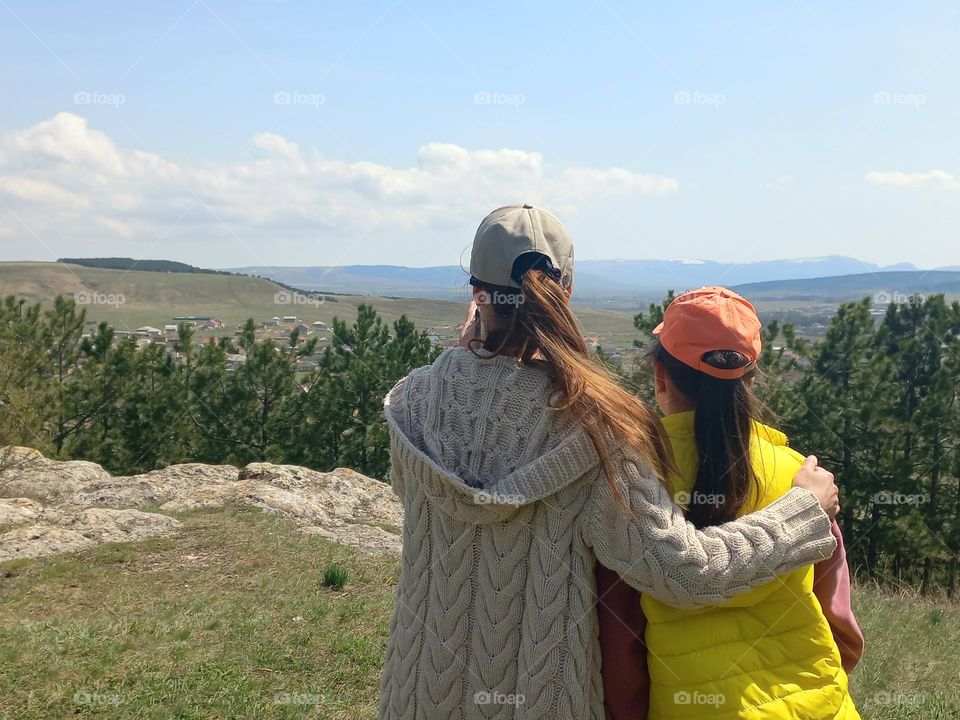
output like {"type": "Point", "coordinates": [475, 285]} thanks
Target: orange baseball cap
{"type": "Point", "coordinates": [709, 319]}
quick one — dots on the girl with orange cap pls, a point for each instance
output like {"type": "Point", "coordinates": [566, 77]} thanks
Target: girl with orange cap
{"type": "Point", "coordinates": [781, 650]}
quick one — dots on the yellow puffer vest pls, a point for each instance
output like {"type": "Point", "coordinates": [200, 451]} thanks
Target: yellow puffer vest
{"type": "Point", "coordinates": [766, 654]}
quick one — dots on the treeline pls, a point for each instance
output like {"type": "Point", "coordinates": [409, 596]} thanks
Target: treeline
{"type": "Point", "coordinates": [119, 263]}
{"type": "Point", "coordinates": [878, 403]}
{"type": "Point", "coordinates": [134, 409]}
{"type": "Point", "coordinates": [876, 400]}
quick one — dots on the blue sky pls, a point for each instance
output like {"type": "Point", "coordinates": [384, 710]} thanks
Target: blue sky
{"type": "Point", "coordinates": [236, 133]}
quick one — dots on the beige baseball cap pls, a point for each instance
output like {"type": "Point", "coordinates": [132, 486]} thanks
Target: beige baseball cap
{"type": "Point", "coordinates": [515, 230]}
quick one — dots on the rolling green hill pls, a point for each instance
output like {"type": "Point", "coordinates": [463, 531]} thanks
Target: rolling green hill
{"type": "Point", "coordinates": [131, 299]}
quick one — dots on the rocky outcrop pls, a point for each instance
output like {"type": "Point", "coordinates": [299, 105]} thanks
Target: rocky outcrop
{"type": "Point", "coordinates": [24, 472]}
{"type": "Point", "coordinates": [71, 530]}
{"type": "Point", "coordinates": [50, 506]}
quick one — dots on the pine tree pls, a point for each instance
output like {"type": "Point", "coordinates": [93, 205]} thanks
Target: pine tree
{"type": "Point", "coordinates": [842, 414]}
{"type": "Point", "coordinates": [23, 414]}
{"type": "Point", "coordinates": [343, 407]}
{"type": "Point", "coordinates": [919, 336]}
{"type": "Point", "coordinates": [62, 330]}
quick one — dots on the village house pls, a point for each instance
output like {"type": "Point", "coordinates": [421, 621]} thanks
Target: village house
{"type": "Point", "coordinates": [235, 360]}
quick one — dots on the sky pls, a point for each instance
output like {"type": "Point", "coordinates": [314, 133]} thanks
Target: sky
{"type": "Point", "coordinates": [273, 132]}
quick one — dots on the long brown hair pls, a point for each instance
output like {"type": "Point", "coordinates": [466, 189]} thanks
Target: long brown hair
{"type": "Point", "coordinates": [538, 324]}
{"type": "Point", "coordinates": [724, 413]}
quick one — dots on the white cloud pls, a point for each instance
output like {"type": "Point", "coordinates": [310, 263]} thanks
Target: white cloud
{"type": "Point", "coordinates": [933, 179]}
{"type": "Point", "coordinates": [68, 183]}
{"type": "Point", "coordinates": [40, 192]}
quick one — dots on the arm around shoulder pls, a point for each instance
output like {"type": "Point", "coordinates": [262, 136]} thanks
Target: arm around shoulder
{"type": "Point", "coordinates": [645, 538]}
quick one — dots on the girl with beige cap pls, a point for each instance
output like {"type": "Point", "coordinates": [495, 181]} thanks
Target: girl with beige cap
{"type": "Point", "coordinates": [521, 465]}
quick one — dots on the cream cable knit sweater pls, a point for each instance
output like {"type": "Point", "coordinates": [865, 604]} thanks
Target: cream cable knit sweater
{"type": "Point", "coordinates": [506, 514]}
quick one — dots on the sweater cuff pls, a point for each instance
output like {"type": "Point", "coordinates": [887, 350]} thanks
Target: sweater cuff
{"type": "Point", "coordinates": [806, 525]}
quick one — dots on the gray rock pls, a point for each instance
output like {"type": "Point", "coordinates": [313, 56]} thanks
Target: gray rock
{"type": "Point", "coordinates": [50, 506]}
{"type": "Point", "coordinates": [104, 525]}
{"type": "Point", "coordinates": [41, 539]}
{"type": "Point", "coordinates": [26, 473]}
{"type": "Point", "coordinates": [169, 484]}
{"type": "Point", "coordinates": [18, 511]}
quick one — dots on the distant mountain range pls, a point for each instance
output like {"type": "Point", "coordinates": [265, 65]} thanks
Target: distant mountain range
{"type": "Point", "coordinates": [883, 287]}
{"type": "Point", "coordinates": [596, 280]}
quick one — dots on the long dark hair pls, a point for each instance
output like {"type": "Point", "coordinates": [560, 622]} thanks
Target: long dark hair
{"type": "Point", "coordinates": [724, 413]}
{"type": "Point", "coordinates": [537, 325]}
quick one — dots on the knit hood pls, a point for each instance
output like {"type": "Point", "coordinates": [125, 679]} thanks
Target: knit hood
{"type": "Point", "coordinates": [480, 436]}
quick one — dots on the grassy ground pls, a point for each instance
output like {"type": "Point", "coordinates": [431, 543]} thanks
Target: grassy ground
{"type": "Point", "coordinates": [230, 620]}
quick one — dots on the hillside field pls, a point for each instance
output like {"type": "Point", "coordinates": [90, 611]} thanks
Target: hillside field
{"type": "Point", "coordinates": [153, 298]}
{"type": "Point", "coordinates": [230, 620]}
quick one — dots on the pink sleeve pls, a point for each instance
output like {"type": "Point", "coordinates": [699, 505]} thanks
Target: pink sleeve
{"type": "Point", "coordinates": [623, 653]}
{"type": "Point", "coordinates": [831, 585]}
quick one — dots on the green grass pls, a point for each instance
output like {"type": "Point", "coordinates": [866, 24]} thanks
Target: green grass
{"type": "Point", "coordinates": [231, 620]}
{"type": "Point", "coordinates": [910, 669]}
{"type": "Point", "coordinates": [335, 577]}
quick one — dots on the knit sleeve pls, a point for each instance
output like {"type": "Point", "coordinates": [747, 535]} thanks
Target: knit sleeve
{"type": "Point", "coordinates": [403, 409]}
{"type": "Point", "coordinates": [397, 412]}
{"type": "Point", "coordinates": [645, 538]}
